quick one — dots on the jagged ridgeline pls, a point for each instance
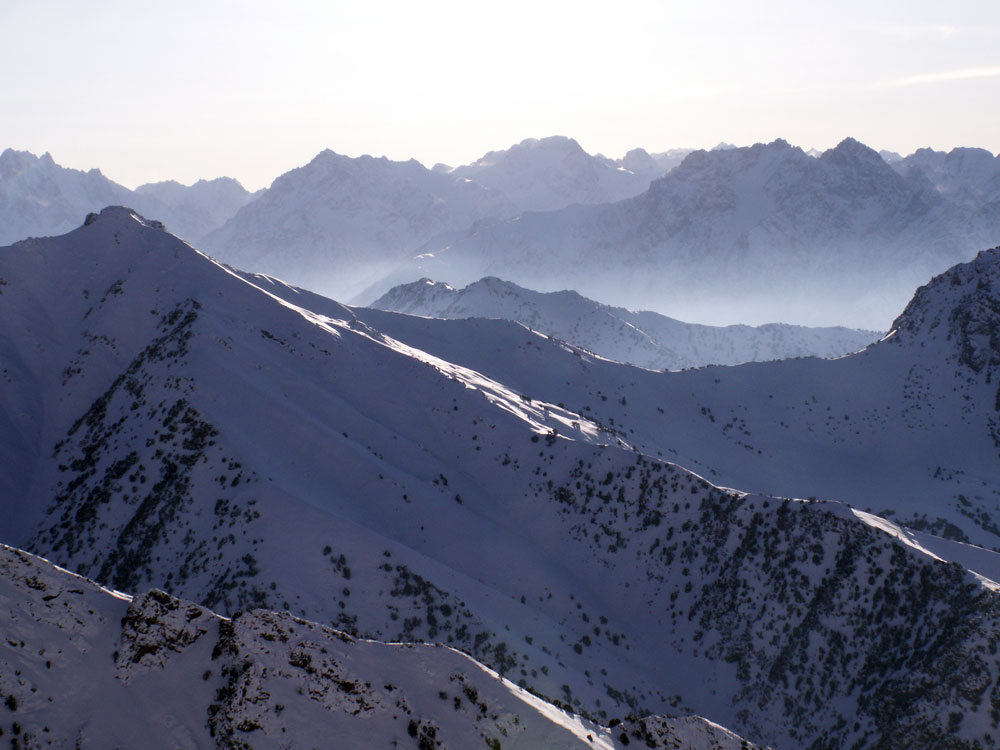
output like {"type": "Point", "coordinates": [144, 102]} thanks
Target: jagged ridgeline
{"type": "Point", "coordinates": [646, 339]}
{"type": "Point", "coordinates": [906, 429]}
{"type": "Point", "coordinates": [76, 655]}
{"type": "Point", "coordinates": [204, 436]}
{"type": "Point", "coordinates": [760, 234]}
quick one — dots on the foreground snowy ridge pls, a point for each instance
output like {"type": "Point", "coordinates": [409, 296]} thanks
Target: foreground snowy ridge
{"type": "Point", "coordinates": [81, 666]}
{"type": "Point", "coordinates": [168, 423]}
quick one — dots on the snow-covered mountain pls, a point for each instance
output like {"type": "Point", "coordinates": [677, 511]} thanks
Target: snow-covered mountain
{"type": "Point", "coordinates": [192, 211]}
{"type": "Point", "coordinates": [39, 198]}
{"type": "Point", "coordinates": [338, 223]}
{"type": "Point", "coordinates": [670, 158]}
{"type": "Point", "coordinates": [967, 176]}
{"type": "Point", "coordinates": [550, 173]}
{"type": "Point", "coordinates": [239, 442]}
{"type": "Point", "coordinates": [890, 157]}
{"type": "Point", "coordinates": [641, 163]}
{"type": "Point", "coordinates": [87, 667]}
{"type": "Point", "coordinates": [907, 428]}
{"type": "Point", "coordinates": [748, 235]}
{"type": "Point", "coordinates": [734, 235]}
{"type": "Point", "coordinates": [644, 338]}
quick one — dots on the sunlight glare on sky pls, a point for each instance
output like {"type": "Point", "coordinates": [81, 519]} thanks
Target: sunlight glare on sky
{"type": "Point", "coordinates": [187, 89]}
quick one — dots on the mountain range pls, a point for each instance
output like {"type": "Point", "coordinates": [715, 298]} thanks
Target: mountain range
{"type": "Point", "coordinates": [40, 198]}
{"type": "Point", "coordinates": [646, 339]}
{"type": "Point", "coordinates": [751, 235]}
{"type": "Point", "coordinates": [340, 224]}
{"type": "Point", "coordinates": [551, 173]}
{"type": "Point", "coordinates": [168, 422]}
{"type": "Point", "coordinates": [967, 176]}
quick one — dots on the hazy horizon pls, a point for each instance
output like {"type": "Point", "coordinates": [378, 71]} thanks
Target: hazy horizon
{"type": "Point", "coordinates": [193, 90]}
{"type": "Point", "coordinates": [133, 185]}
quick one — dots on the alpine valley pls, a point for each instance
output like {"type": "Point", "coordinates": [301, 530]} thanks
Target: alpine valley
{"type": "Point", "coordinates": [335, 481]}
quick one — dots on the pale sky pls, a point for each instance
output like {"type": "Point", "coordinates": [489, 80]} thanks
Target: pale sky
{"type": "Point", "coordinates": [201, 88]}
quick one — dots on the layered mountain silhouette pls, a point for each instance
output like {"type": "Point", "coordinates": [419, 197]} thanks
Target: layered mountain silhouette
{"type": "Point", "coordinates": [169, 422]}
{"type": "Point", "coordinates": [752, 235]}
{"type": "Point", "coordinates": [643, 338]}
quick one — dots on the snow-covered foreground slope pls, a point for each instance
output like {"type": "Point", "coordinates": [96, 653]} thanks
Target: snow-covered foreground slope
{"type": "Point", "coordinates": [644, 338]}
{"type": "Point", "coordinates": [906, 427]}
{"type": "Point", "coordinates": [85, 667]}
{"type": "Point", "coordinates": [238, 442]}
{"type": "Point", "coordinates": [744, 235]}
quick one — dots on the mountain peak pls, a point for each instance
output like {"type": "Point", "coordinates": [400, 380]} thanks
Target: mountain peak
{"type": "Point", "coordinates": [121, 216]}
{"type": "Point", "coordinates": [855, 149]}
{"type": "Point", "coordinates": [638, 159]}
{"type": "Point", "coordinates": [14, 162]}
{"type": "Point", "coordinates": [429, 282]}
{"type": "Point", "coordinates": [964, 304]}
{"type": "Point", "coordinates": [553, 143]}
{"type": "Point", "coordinates": [737, 157]}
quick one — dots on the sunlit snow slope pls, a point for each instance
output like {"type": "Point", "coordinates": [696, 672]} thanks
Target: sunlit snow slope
{"type": "Point", "coordinates": [170, 423]}
{"type": "Point", "coordinates": [85, 667]}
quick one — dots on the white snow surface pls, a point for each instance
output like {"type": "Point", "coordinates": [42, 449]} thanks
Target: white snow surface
{"type": "Point", "coordinates": [82, 667]}
{"type": "Point", "coordinates": [906, 427]}
{"type": "Point", "coordinates": [168, 422]}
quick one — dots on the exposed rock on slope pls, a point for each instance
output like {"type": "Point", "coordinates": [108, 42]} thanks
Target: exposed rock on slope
{"type": "Point", "coordinates": [170, 423]}
{"type": "Point", "coordinates": [81, 666]}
